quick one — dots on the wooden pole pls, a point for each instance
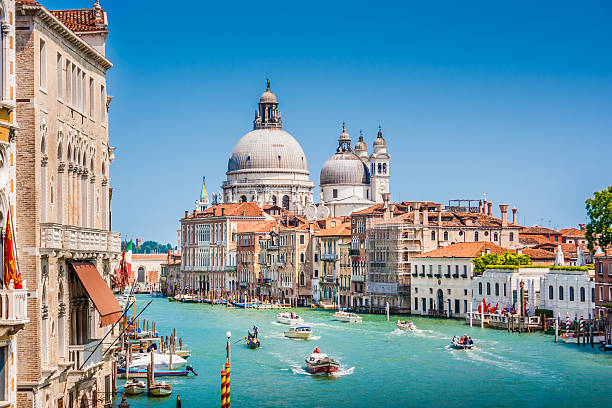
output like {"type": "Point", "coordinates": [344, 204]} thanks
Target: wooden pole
{"type": "Point", "coordinates": [556, 330]}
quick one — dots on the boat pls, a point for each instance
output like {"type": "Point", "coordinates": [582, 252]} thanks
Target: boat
{"type": "Point", "coordinates": [347, 317]}
{"type": "Point", "coordinates": [301, 332]}
{"type": "Point", "coordinates": [320, 363]}
{"type": "Point", "coordinates": [171, 299]}
{"type": "Point", "coordinates": [160, 389]}
{"type": "Point", "coordinates": [125, 300]}
{"type": "Point", "coordinates": [134, 387]}
{"type": "Point", "coordinates": [249, 305]}
{"type": "Point", "coordinates": [289, 318]}
{"type": "Point", "coordinates": [183, 353]}
{"type": "Point", "coordinates": [253, 342]}
{"type": "Point", "coordinates": [462, 343]}
{"type": "Point", "coordinates": [406, 325]}
{"type": "Point", "coordinates": [142, 372]}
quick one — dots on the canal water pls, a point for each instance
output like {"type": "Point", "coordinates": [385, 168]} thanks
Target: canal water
{"type": "Point", "coordinates": [379, 364]}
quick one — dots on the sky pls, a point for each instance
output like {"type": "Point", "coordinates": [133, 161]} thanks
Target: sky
{"type": "Point", "coordinates": [509, 99]}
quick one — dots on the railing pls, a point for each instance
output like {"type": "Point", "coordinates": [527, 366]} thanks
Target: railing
{"type": "Point", "coordinates": [329, 257]}
{"type": "Point", "coordinates": [13, 306]}
{"type": "Point", "coordinates": [281, 264]}
{"type": "Point", "coordinates": [59, 236]}
{"type": "Point", "coordinates": [81, 353]}
{"type": "Point", "coordinates": [330, 279]}
{"type": "Point", "coordinates": [266, 281]}
{"type": "Point", "coordinates": [455, 275]}
{"type": "Point", "coordinates": [357, 278]}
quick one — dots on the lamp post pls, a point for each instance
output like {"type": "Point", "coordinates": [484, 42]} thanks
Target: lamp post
{"type": "Point", "coordinates": [228, 351]}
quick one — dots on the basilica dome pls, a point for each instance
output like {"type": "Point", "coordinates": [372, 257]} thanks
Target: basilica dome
{"type": "Point", "coordinates": [267, 148]}
{"type": "Point", "coordinates": [344, 167]}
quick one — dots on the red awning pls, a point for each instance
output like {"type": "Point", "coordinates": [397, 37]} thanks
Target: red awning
{"type": "Point", "coordinates": [99, 292]}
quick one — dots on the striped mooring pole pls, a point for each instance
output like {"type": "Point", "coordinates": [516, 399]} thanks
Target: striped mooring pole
{"type": "Point", "coordinates": [223, 388]}
{"type": "Point", "coordinates": [567, 324]}
{"type": "Point", "coordinates": [227, 385]}
{"type": "Point", "coordinates": [581, 325]}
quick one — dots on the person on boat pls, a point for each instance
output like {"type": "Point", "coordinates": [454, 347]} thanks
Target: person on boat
{"type": "Point", "coordinates": [316, 350]}
{"type": "Point", "coordinates": [469, 341]}
{"type": "Point", "coordinates": [410, 324]}
{"type": "Point", "coordinates": [255, 330]}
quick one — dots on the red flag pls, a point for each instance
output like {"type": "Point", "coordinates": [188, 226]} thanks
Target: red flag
{"type": "Point", "coordinates": [10, 264]}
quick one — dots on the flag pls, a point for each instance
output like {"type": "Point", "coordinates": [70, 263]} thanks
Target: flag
{"type": "Point", "coordinates": [10, 264]}
{"type": "Point", "coordinates": [128, 247]}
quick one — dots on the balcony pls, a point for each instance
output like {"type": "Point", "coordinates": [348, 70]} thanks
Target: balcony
{"type": "Point", "coordinates": [464, 275]}
{"type": "Point", "coordinates": [438, 275]}
{"type": "Point", "coordinates": [455, 275]}
{"type": "Point", "coordinates": [86, 354]}
{"type": "Point", "coordinates": [13, 310]}
{"type": "Point", "coordinates": [280, 264]}
{"type": "Point", "coordinates": [429, 275]}
{"type": "Point", "coordinates": [330, 279]}
{"type": "Point", "coordinates": [329, 257]}
{"type": "Point", "coordinates": [357, 278]}
{"type": "Point", "coordinates": [59, 236]}
{"type": "Point", "coordinates": [266, 281]}
{"type": "Point", "coordinates": [447, 275]}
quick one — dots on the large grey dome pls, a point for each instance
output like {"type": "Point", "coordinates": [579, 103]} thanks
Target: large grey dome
{"type": "Point", "coordinates": [267, 149]}
{"type": "Point", "coordinates": [344, 168]}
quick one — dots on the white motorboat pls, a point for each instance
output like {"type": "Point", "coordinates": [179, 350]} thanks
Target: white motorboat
{"type": "Point", "coordinates": [406, 325]}
{"type": "Point", "coordinates": [160, 389]}
{"type": "Point", "coordinates": [162, 361]}
{"type": "Point", "coordinates": [320, 363]}
{"type": "Point", "coordinates": [301, 332]}
{"type": "Point", "coordinates": [134, 387]}
{"type": "Point", "coordinates": [125, 300]}
{"type": "Point", "coordinates": [347, 317]}
{"type": "Point", "coordinates": [289, 318]}
{"type": "Point", "coordinates": [462, 343]}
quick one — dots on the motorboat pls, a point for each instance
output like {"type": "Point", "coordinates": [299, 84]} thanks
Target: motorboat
{"type": "Point", "coordinates": [160, 389]}
{"type": "Point", "coordinates": [183, 353]}
{"type": "Point", "coordinates": [134, 387]}
{"type": "Point", "coordinates": [162, 361]}
{"type": "Point", "coordinates": [300, 332]}
{"type": "Point", "coordinates": [347, 317]}
{"type": "Point", "coordinates": [321, 363]}
{"type": "Point", "coordinates": [406, 325]}
{"type": "Point", "coordinates": [462, 343]}
{"type": "Point", "coordinates": [125, 300]}
{"type": "Point", "coordinates": [289, 318]}
{"type": "Point", "coordinates": [141, 372]}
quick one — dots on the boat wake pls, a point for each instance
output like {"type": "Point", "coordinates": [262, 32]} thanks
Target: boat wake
{"type": "Point", "coordinates": [299, 370]}
{"type": "Point", "coordinates": [315, 337]}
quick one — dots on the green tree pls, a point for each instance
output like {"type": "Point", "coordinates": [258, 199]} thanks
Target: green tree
{"type": "Point", "coordinates": [599, 210]}
{"type": "Point", "coordinates": [512, 258]}
{"type": "Point", "coordinates": [481, 262]}
{"type": "Point", "coordinates": [508, 258]}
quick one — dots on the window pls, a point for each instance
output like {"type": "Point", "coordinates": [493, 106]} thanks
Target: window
{"type": "Point", "coordinates": [571, 293]}
{"type": "Point", "coordinates": [495, 236]}
{"type": "Point", "coordinates": [480, 288]}
{"type": "Point", "coordinates": [511, 236]}
{"type": "Point", "coordinates": [3, 373]}
{"type": "Point", "coordinates": [610, 270]}
{"type": "Point", "coordinates": [42, 65]}
{"type": "Point", "coordinates": [433, 235]}
{"type": "Point", "coordinates": [476, 236]}
{"type": "Point", "coordinates": [91, 98]}
{"type": "Point", "coordinates": [60, 76]}
{"type": "Point", "coordinates": [302, 257]}
{"type": "Point", "coordinates": [496, 289]}
{"type": "Point", "coordinates": [465, 306]}
{"type": "Point", "coordinates": [550, 292]}
{"type": "Point", "coordinates": [488, 289]}
{"type": "Point", "coordinates": [316, 273]}
{"type": "Point", "coordinates": [560, 292]}
{"type": "Point", "coordinates": [424, 304]}
{"type": "Point", "coordinates": [582, 295]}
{"type": "Point", "coordinates": [379, 168]}
{"type": "Point", "coordinates": [73, 85]}
{"type": "Point", "coordinates": [301, 239]}
{"type": "Point", "coordinates": [457, 311]}
{"type": "Point", "coordinates": [504, 289]}
{"type": "Point", "coordinates": [83, 92]}
{"type": "Point", "coordinates": [416, 303]}
{"type": "Point", "coordinates": [103, 104]}
{"type": "Point", "coordinates": [316, 257]}
{"type": "Point", "coordinates": [67, 84]}
{"type": "Point", "coordinates": [445, 235]}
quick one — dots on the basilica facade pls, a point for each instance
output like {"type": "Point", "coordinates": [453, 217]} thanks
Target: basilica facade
{"type": "Point", "coordinates": [268, 167]}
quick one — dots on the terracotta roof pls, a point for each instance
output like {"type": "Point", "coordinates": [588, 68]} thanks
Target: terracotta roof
{"type": "Point", "coordinates": [262, 226]}
{"type": "Point", "coordinates": [81, 20]}
{"type": "Point", "coordinates": [538, 254]}
{"type": "Point", "coordinates": [537, 230]}
{"type": "Point", "coordinates": [572, 232]}
{"type": "Point", "coordinates": [464, 250]}
{"type": "Point", "coordinates": [533, 239]}
{"type": "Point", "coordinates": [343, 229]}
{"type": "Point", "coordinates": [230, 210]}
{"type": "Point", "coordinates": [142, 257]}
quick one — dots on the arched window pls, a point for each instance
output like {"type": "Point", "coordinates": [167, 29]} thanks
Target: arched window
{"type": "Point", "coordinates": [384, 168]}
{"type": "Point", "coordinates": [488, 289]}
{"type": "Point", "coordinates": [446, 235]}
{"type": "Point", "coordinates": [582, 295]}
{"type": "Point", "coordinates": [273, 200]}
{"type": "Point", "coordinates": [497, 289]}
{"type": "Point", "coordinates": [476, 236]}
{"type": "Point", "coordinates": [480, 288]}
{"type": "Point", "coordinates": [560, 292]}
{"type": "Point", "coordinates": [433, 235]}
{"type": "Point", "coordinates": [286, 202]}
{"type": "Point", "coordinates": [495, 237]}
{"type": "Point", "coordinates": [551, 292]}
{"type": "Point", "coordinates": [379, 168]}
{"type": "Point", "coordinates": [302, 279]}
{"type": "Point", "coordinates": [302, 257]}
{"type": "Point", "coordinates": [571, 293]}
{"type": "Point", "coordinates": [243, 199]}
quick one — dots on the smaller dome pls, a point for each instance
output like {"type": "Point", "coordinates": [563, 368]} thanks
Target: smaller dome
{"type": "Point", "coordinates": [268, 96]}
{"type": "Point", "coordinates": [380, 141]}
{"type": "Point", "coordinates": [344, 168]}
{"type": "Point", "coordinates": [361, 145]}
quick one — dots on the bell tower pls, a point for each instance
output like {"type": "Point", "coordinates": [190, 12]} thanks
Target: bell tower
{"type": "Point", "coordinates": [379, 168]}
{"type": "Point", "coordinates": [268, 116]}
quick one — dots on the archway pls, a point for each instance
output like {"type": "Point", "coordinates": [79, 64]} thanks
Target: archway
{"type": "Point", "coordinates": [286, 202]}
{"type": "Point", "coordinates": [440, 300]}
{"type": "Point", "coordinates": [141, 274]}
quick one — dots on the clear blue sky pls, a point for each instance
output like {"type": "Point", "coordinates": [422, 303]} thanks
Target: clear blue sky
{"type": "Point", "coordinates": [512, 100]}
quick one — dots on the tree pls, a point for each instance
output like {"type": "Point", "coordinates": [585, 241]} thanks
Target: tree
{"type": "Point", "coordinates": [509, 258]}
{"type": "Point", "coordinates": [599, 210]}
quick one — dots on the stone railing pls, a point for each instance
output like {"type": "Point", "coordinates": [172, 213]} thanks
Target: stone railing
{"type": "Point", "coordinates": [85, 355]}
{"type": "Point", "coordinates": [13, 306]}
{"type": "Point", "coordinates": [58, 236]}
{"type": "Point", "coordinates": [329, 257]}
{"type": "Point", "coordinates": [357, 278]}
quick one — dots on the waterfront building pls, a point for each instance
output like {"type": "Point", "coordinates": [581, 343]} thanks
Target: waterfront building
{"type": "Point", "coordinates": [171, 280]}
{"type": "Point", "coordinates": [603, 285]}
{"type": "Point", "coordinates": [250, 258]}
{"type": "Point", "coordinates": [146, 269]}
{"type": "Point", "coordinates": [349, 177]}
{"type": "Point", "coordinates": [576, 236]}
{"type": "Point", "coordinates": [208, 246]}
{"type": "Point", "coordinates": [65, 247]}
{"type": "Point", "coordinates": [268, 165]}
{"type": "Point", "coordinates": [295, 239]}
{"type": "Point", "coordinates": [441, 282]}
{"type": "Point", "coordinates": [332, 267]}
{"type": "Point", "coordinates": [568, 291]}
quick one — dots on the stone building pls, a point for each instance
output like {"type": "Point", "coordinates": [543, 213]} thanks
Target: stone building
{"type": "Point", "coordinates": [351, 180]}
{"type": "Point", "coordinates": [65, 247]}
{"type": "Point", "coordinates": [331, 276]}
{"type": "Point", "coordinates": [268, 165]}
{"type": "Point", "coordinates": [568, 291]}
{"type": "Point", "coordinates": [603, 285]}
{"type": "Point", "coordinates": [171, 278]}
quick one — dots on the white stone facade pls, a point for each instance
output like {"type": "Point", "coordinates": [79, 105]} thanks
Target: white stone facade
{"type": "Point", "coordinates": [570, 292]}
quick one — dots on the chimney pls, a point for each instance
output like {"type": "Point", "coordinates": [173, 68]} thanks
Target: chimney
{"type": "Point", "coordinates": [490, 208]}
{"type": "Point", "coordinates": [487, 251]}
{"type": "Point", "coordinates": [514, 215]}
{"type": "Point", "coordinates": [426, 215]}
{"type": "Point", "coordinates": [504, 214]}
{"type": "Point", "coordinates": [386, 198]}
{"type": "Point", "coordinates": [480, 207]}
{"type": "Point", "coordinates": [439, 214]}
{"type": "Point", "coordinates": [415, 212]}
{"type": "Point", "coordinates": [194, 213]}
{"type": "Point", "coordinates": [582, 227]}
{"type": "Point", "coordinates": [186, 213]}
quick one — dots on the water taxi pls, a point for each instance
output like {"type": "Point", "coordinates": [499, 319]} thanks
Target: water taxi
{"type": "Point", "coordinates": [347, 317]}
{"type": "Point", "coordinates": [320, 363]}
{"type": "Point", "coordinates": [302, 332]}
{"type": "Point", "coordinates": [289, 318]}
{"type": "Point", "coordinates": [462, 343]}
{"type": "Point", "coordinates": [406, 325]}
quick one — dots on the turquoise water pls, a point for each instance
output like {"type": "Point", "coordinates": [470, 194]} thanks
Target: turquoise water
{"type": "Point", "coordinates": [379, 364]}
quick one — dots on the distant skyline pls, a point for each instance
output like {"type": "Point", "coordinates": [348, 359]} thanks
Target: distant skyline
{"type": "Point", "coordinates": [514, 100]}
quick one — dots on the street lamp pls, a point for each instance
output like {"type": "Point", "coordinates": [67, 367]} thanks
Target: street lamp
{"type": "Point", "coordinates": [228, 353]}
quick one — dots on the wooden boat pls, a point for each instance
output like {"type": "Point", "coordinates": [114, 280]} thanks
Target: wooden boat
{"type": "Point", "coordinates": [249, 305]}
{"type": "Point", "coordinates": [160, 389]}
{"type": "Point", "coordinates": [459, 344]}
{"type": "Point", "coordinates": [406, 325]}
{"type": "Point", "coordinates": [347, 317]}
{"type": "Point", "coordinates": [134, 387]}
{"type": "Point", "coordinates": [302, 332]}
{"type": "Point", "coordinates": [320, 363]}
{"type": "Point", "coordinates": [253, 343]}
{"type": "Point", "coordinates": [171, 299]}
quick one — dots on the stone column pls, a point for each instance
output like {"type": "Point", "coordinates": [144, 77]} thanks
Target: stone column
{"type": "Point", "coordinates": [60, 192]}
